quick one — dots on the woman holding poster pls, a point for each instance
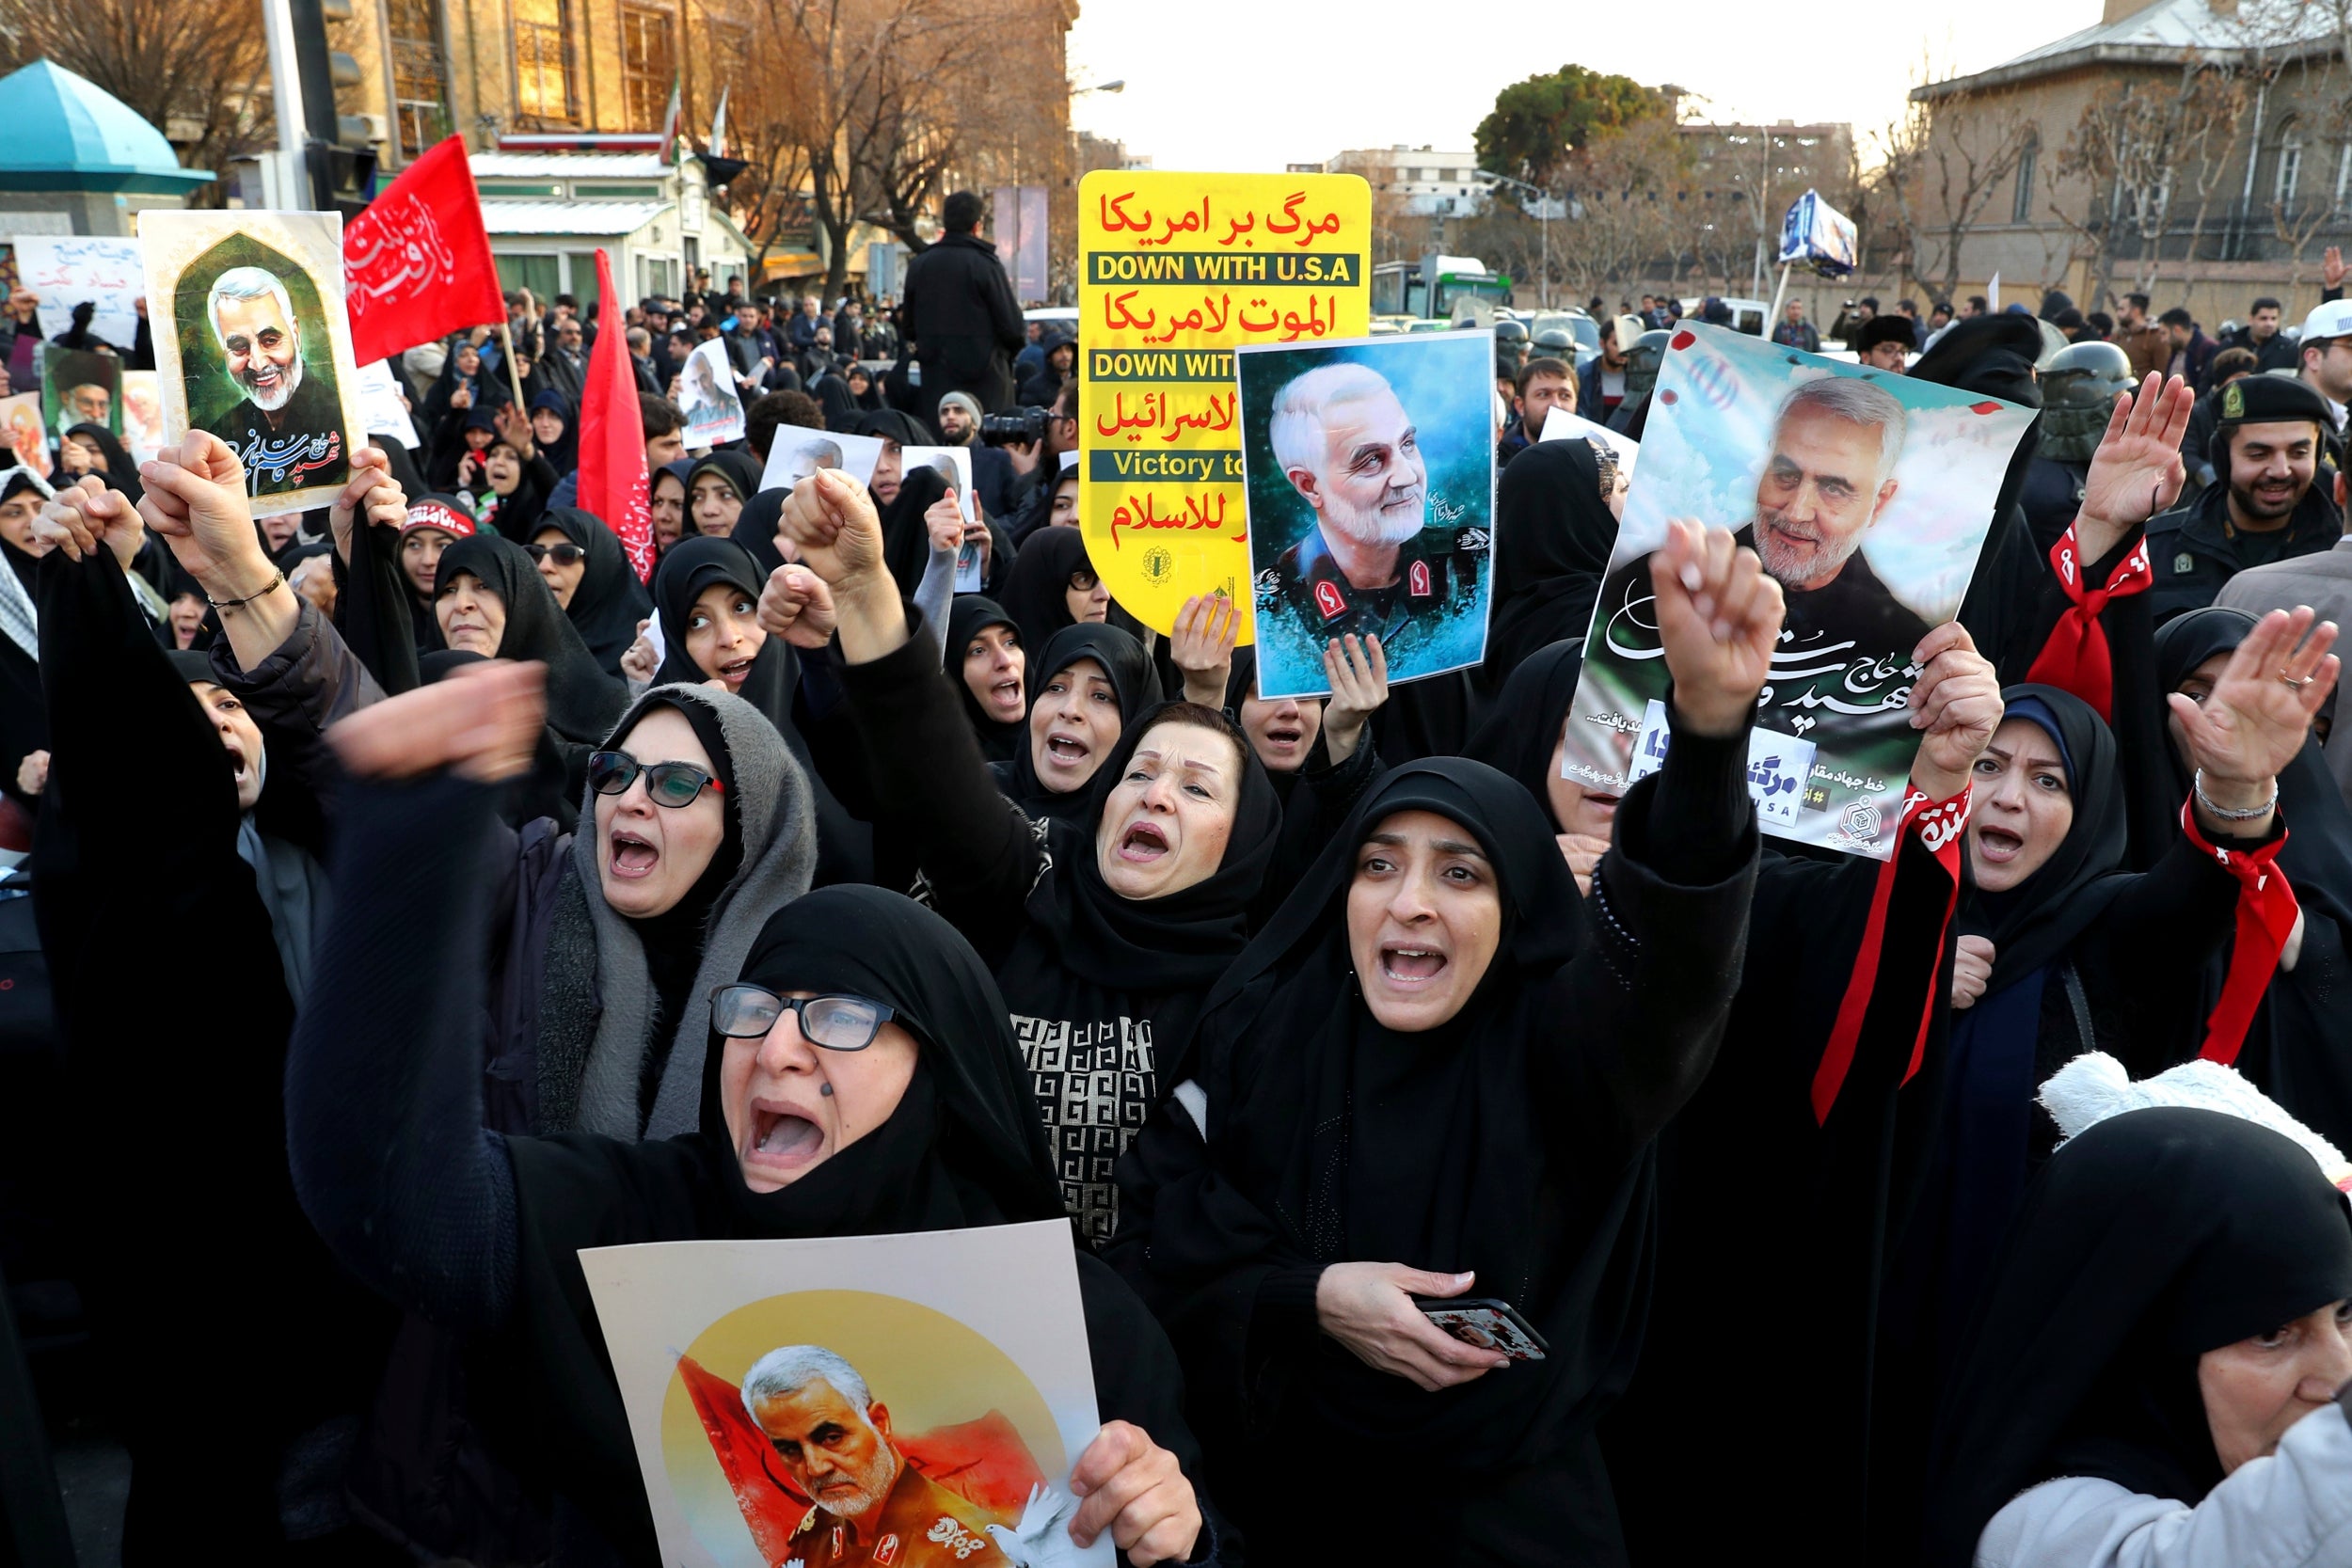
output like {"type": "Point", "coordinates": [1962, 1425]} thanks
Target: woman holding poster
{"type": "Point", "coordinates": [1432, 1084]}
{"type": "Point", "coordinates": [867, 1084]}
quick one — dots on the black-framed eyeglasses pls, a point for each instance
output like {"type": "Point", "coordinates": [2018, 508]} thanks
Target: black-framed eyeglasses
{"type": "Point", "coordinates": [835, 1022]}
{"type": "Point", "coordinates": [667, 784]}
{"type": "Point", "coordinates": [566, 555]}
{"type": "Point", "coordinates": [1084, 580]}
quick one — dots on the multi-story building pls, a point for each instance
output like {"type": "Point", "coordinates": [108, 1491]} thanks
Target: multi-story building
{"type": "Point", "coordinates": [1420, 182]}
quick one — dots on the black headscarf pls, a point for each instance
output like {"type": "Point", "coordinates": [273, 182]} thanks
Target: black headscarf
{"type": "Point", "coordinates": [122, 472]}
{"type": "Point", "coordinates": [608, 601]}
{"type": "Point", "coordinates": [1001, 741]}
{"type": "Point", "coordinates": [1037, 588]}
{"type": "Point", "coordinates": [1523, 734]}
{"type": "Point", "coordinates": [692, 566]}
{"type": "Point", "coordinates": [896, 424]}
{"type": "Point", "coordinates": [684, 466]}
{"type": "Point", "coordinates": [563, 454]}
{"type": "Point", "coordinates": [964, 1148]}
{"type": "Point", "coordinates": [2039, 919]}
{"type": "Point", "coordinates": [2295, 1047]}
{"type": "Point", "coordinates": [1554, 532]}
{"type": "Point", "coordinates": [756, 529]}
{"type": "Point", "coordinates": [1333, 1138]}
{"type": "Point", "coordinates": [2153, 1237]}
{"type": "Point", "coordinates": [582, 701]}
{"type": "Point", "coordinates": [740, 470]}
{"type": "Point", "coordinates": [832, 394]}
{"type": "Point", "coordinates": [1179, 940]}
{"type": "Point", "coordinates": [1129, 669]}
{"type": "Point", "coordinates": [906, 538]}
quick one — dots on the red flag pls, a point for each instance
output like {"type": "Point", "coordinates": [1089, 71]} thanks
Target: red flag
{"type": "Point", "coordinates": [416, 262]}
{"type": "Point", "coordinates": [612, 479]}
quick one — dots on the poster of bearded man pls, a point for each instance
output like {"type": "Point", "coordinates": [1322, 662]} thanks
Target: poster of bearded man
{"type": "Point", "coordinates": [1867, 495]}
{"type": "Point", "coordinates": [252, 343]}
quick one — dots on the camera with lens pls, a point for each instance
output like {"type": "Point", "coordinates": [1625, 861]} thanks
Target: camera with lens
{"type": "Point", "coordinates": [1021, 427]}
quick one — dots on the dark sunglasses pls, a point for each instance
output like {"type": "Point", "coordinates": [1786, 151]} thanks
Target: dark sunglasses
{"type": "Point", "coordinates": [835, 1022]}
{"type": "Point", "coordinates": [667, 784]}
{"type": "Point", "coordinates": [566, 555]}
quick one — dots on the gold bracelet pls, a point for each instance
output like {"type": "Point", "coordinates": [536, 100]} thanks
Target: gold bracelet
{"type": "Point", "coordinates": [230, 607]}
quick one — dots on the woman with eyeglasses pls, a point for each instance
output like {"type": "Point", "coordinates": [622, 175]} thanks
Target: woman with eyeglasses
{"type": "Point", "coordinates": [1053, 585]}
{"type": "Point", "coordinates": [589, 573]}
{"type": "Point", "coordinates": [864, 1081]}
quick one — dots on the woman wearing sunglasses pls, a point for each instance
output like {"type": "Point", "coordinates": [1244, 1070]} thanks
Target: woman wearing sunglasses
{"type": "Point", "coordinates": [864, 1082]}
{"type": "Point", "coordinates": [589, 573]}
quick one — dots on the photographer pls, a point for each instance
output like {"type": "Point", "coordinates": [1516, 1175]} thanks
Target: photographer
{"type": "Point", "coordinates": [1035, 462]}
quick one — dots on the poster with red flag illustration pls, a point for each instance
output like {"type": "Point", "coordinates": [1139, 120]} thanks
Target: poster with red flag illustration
{"type": "Point", "coordinates": [416, 262]}
{"type": "Point", "coordinates": [906, 1401]}
{"type": "Point", "coordinates": [1868, 496]}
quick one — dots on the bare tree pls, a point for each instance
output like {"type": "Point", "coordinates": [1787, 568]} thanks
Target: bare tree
{"type": "Point", "coordinates": [198, 74]}
{"type": "Point", "coordinates": [1943, 163]}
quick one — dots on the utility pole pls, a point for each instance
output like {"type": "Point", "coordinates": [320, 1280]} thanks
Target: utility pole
{"type": "Point", "coordinates": [290, 178]}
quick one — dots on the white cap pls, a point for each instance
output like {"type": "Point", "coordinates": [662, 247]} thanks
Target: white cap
{"type": "Point", "coordinates": [2333, 319]}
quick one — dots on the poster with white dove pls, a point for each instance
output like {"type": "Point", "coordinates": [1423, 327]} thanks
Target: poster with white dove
{"type": "Point", "coordinates": [1868, 496]}
{"type": "Point", "coordinates": [903, 1401]}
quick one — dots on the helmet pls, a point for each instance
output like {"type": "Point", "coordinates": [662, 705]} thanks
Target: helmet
{"type": "Point", "coordinates": [1642, 361]}
{"type": "Point", "coordinates": [1554, 342]}
{"type": "Point", "coordinates": [2078, 388]}
{"type": "Point", "coordinates": [1508, 330]}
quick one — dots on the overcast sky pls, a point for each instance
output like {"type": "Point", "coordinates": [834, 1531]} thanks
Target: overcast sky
{"type": "Point", "coordinates": [1250, 85]}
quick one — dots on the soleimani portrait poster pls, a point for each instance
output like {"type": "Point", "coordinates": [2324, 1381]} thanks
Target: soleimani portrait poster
{"type": "Point", "coordinates": [1868, 496]}
{"type": "Point", "coordinates": [253, 345]}
{"type": "Point", "coordinates": [903, 1401]}
{"type": "Point", "coordinates": [1370, 470]}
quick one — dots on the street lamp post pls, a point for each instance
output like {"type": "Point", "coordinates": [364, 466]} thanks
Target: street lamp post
{"type": "Point", "coordinates": [1543, 222]}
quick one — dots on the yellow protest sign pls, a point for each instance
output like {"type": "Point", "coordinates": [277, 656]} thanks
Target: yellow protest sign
{"type": "Point", "coordinates": [1175, 271]}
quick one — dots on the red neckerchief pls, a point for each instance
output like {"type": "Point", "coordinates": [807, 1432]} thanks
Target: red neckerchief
{"type": "Point", "coordinates": [2266, 911]}
{"type": "Point", "coordinates": [1938, 823]}
{"type": "Point", "coordinates": [2076, 659]}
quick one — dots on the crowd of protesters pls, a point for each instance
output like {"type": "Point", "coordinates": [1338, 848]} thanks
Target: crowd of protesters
{"type": "Point", "coordinates": [482, 902]}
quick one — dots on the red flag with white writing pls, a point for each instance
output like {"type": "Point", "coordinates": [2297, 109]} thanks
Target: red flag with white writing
{"type": "Point", "coordinates": [416, 262]}
{"type": "Point", "coordinates": [613, 478]}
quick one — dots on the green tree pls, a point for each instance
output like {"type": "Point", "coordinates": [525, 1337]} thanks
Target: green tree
{"type": "Point", "coordinates": [1538, 123]}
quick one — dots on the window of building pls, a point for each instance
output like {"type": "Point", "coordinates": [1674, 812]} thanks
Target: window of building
{"type": "Point", "coordinates": [541, 275]}
{"type": "Point", "coordinates": [2021, 205]}
{"type": "Point", "coordinates": [648, 65]}
{"type": "Point", "coordinates": [2290, 172]}
{"type": "Point", "coordinates": [543, 76]}
{"type": "Point", "coordinates": [420, 97]}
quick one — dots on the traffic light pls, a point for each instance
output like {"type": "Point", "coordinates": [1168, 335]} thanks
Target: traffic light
{"type": "Point", "coordinates": [339, 155]}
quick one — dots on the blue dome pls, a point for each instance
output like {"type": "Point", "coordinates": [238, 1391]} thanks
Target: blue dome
{"type": "Point", "coordinates": [71, 135]}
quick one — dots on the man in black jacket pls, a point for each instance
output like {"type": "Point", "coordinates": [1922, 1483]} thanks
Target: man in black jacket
{"type": "Point", "coordinates": [2277, 498]}
{"type": "Point", "coordinates": [960, 321]}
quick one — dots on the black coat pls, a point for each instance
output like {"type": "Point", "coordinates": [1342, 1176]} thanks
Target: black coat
{"type": "Point", "coordinates": [961, 323]}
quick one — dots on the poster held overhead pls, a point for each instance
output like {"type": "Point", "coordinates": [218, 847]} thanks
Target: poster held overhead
{"type": "Point", "coordinates": [795, 451]}
{"type": "Point", "coordinates": [1370, 480]}
{"type": "Point", "coordinates": [953, 1363]}
{"type": "Point", "coordinates": [1868, 496]}
{"type": "Point", "coordinates": [19, 415]}
{"type": "Point", "coordinates": [1175, 272]}
{"type": "Point", "coordinates": [79, 385]}
{"type": "Point", "coordinates": [707, 398]}
{"type": "Point", "coordinates": [252, 344]}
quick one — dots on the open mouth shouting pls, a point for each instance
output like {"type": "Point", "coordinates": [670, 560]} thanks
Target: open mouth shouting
{"type": "Point", "coordinates": [1286, 738]}
{"type": "Point", "coordinates": [1410, 968]}
{"type": "Point", "coordinates": [1143, 844]}
{"type": "Point", "coordinates": [781, 1139]}
{"type": "Point", "coordinates": [734, 671]}
{"type": "Point", "coordinates": [633, 857]}
{"type": "Point", "coordinates": [1005, 696]}
{"type": "Point", "coordinates": [1067, 753]}
{"type": "Point", "coordinates": [1997, 845]}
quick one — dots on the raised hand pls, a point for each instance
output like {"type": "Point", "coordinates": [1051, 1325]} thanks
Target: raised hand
{"type": "Point", "coordinates": [2138, 471]}
{"type": "Point", "coordinates": [82, 517]}
{"type": "Point", "coordinates": [831, 520]}
{"type": "Point", "coordinates": [943, 521]}
{"type": "Point", "coordinates": [640, 663]}
{"type": "Point", "coordinates": [1357, 670]}
{"type": "Point", "coordinates": [2259, 713]}
{"type": "Point", "coordinates": [1718, 616]}
{"type": "Point", "coordinates": [1971, 971]}
{"type": "Point", "coordinates": [1957, 701]}
{"type": "Point", "coordinates": [515, 427]}
{"type": "Point", "coordinates": [2331, 266]}
{"type": "Point", "coordinates": [195, 499]}
{"type": "Point", "coordinates": [796, 605]}
{"type": "Point", "coordinates": [1201, 646]}
{"type": "Point", "coordinates": [483, 722]}
{"type": "Point", "coordinates": [373, 493]}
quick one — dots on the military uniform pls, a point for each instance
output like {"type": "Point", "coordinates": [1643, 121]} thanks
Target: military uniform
{"type": "Point", "coordinates": [920, 1525]}
{"type": "Point", "coordinates": [305, 444]}
{"type": "Point", "coordinates": [2194, 549]}
{"type": "Point", "coordinates": [1437, 572]}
